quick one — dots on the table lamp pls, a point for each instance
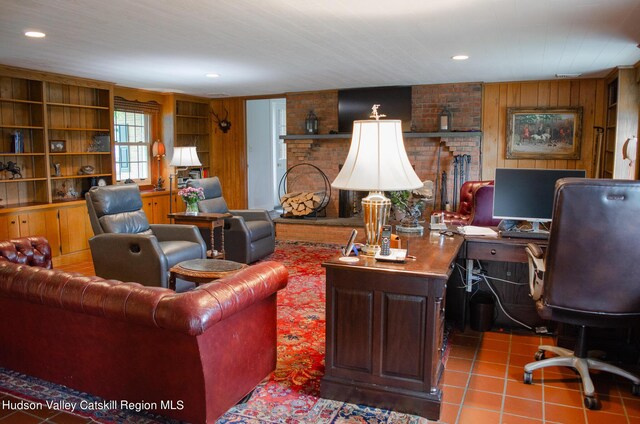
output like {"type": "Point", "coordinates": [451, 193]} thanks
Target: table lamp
{"type": "Point", "coordinates": [376, 162]}
{"type": "Point", "coordinates": [183, 158]}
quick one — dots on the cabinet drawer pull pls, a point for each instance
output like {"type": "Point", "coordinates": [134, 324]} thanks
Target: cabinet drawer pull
{"type": "Point", "coordinates": [13, 222]}
{"type": "Point", "coordinates": [493, 251]}
{"type": "Point", "coordinates": [24, 222]}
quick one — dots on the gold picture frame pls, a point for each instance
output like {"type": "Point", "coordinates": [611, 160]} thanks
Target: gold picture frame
{"type": "Point", "coordinates": [544, 133]}
{"type": "Point", "coordinates": [57, 146]}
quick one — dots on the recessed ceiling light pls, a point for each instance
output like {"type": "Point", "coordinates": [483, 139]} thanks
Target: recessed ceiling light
{"type": "Point", "coordinates": [460, 57]}
{"type": "Point", "coordinates": [212, 75]}
{"type": "Point", "coordinates": [35, 34]}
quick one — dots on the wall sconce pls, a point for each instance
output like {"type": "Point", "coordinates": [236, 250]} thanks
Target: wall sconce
{"type": "Point", "coordinates": [158, 151]}
{"type": "Point", "coordinates": [444, 120]}
{"type": "Point", "coordinates": [311, 123]}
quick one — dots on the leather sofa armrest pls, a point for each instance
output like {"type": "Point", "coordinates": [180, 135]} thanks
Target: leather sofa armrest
{"type": "Point", "coordinates": [195, 311]}
{"type": "Point", "coordinates": [171, 232]}
{"type": "Point", "coordinates": [33, 251]}
{"type": "Point", "coordinates": [252, 214]}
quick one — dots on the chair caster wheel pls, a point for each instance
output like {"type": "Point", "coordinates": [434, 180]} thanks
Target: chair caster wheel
{"type": "Point", "coordinates": [527, 378]}
{"type": "Point", "coordinates": [539, 356]}
{"type": "Point", "coordinates": [635, 390]}
{"type": "Point", "coordinates": [592, 402]}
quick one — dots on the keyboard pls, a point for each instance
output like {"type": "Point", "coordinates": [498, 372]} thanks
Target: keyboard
{"type": "Point", "coordinates": [537, 235]}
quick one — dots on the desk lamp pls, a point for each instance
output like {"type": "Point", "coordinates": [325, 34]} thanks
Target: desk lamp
{"type": "Point", "coordinates": [376, 162]}
{"type": "Point", "coordinates": [183, 158]}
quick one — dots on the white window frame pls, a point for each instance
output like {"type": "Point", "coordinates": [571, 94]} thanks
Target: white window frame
{"type": "Point", "coordinates": [142, 144]}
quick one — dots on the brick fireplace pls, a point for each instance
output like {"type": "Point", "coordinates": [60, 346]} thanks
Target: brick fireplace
{"type": "Point", "coordinates": [463, 100]}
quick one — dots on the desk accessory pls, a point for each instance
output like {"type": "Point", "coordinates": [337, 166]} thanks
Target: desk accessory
{"type": "Point", "coordinates": [395, 255]}
{"type": "Point", "coordinates": [437, 222]}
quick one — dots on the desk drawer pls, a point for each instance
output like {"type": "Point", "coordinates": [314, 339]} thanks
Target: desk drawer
{"type": "Point", "coordinates": [496, 252]}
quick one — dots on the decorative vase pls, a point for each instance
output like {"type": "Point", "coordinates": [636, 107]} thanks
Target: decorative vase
{"type": "Point", "coordinates": [192, 208]}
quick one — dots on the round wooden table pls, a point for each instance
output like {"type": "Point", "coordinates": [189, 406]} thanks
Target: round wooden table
{"type": "Point", "coordinates": [200, 271]}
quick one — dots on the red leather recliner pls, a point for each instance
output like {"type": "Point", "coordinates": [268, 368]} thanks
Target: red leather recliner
{"type": "Point", "coordinates": [476, 206]}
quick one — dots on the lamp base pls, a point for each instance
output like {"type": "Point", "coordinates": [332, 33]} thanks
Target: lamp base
{"type": "Point", "coordinates": [375, 210]}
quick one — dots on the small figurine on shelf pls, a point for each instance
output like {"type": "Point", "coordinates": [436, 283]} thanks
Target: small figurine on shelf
{"type": "Point", "coordinates": [18, 142]}
{"type": "Point", "coordinates": [86, 170]}
{"type": "Point", "coordinates": [14, 169]}
{"type": "Point", "coordinates": [56, 169]}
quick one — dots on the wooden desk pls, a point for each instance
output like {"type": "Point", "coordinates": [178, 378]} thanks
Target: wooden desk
{"type": "Point", "coordinates": [204, 220]}
{"type": "Point", "coordinates": [384, 328]}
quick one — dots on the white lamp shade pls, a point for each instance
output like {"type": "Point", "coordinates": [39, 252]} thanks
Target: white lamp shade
{"type": "Point", "coordinates": [185, 156]}
{"type": "Point", "coordinates": [377, 159]}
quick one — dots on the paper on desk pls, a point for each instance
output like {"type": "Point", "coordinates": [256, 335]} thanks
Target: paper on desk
{"type": "Point", "coordinates": [472, 230]}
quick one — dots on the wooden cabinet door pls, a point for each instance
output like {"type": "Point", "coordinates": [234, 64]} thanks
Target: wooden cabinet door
{"type": "Point", "coordinates": [161, 210]}
{"type": "Point", "coordinates": [42, 223]}
{"type": "Point", "coordinates": [147, 207]}
{"type": "Point", "coordinates": [75, 229]}
{"type": "Point", "coordinates": [9, 226]}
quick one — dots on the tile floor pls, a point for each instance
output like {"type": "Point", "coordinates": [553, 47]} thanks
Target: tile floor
{"type": "Point", "coordinates": [482, 385]}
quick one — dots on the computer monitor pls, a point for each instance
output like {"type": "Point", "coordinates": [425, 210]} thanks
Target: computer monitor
{"type": "Point", "coordinates": [527, 194]}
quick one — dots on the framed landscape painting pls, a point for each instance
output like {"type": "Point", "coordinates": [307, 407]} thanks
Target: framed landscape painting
{"type": "Point", "coordinates": [544, 133]}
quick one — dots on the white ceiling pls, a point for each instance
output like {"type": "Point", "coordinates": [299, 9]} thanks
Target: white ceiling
{"type": "Point", "coordinates": [277, 46]}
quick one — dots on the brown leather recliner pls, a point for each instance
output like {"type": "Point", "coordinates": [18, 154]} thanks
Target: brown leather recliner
{"type": "Point", "coordinates": [476, 206]}
{"type": "Point", "coordinates": [588, 274]}
{"type": "Point", "coordinates": [249, 234]}
{"type": "Point", "coordinates": [126, 247]}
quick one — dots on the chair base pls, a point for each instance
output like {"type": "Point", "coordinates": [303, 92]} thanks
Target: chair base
{"type": "Point", "coordinates": [566, 358]}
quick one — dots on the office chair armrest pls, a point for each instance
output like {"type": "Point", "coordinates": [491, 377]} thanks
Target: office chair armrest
{"type": "Point", "coordinates": [252, 214]}
{"type": "Point", "coordinates": [536, 270]}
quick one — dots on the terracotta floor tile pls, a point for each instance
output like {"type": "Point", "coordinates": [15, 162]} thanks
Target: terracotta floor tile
{"type": "Point", "coordinates": [477, 416]}
{"type": "Point", "coordinates": [493, 344]}
{"type": "Point", "coordinates": [519, 360]}
{"type": "Point", "coordinates": [524, 349]}
{"type": "Point", "coordinates": [611, 404]}
{"type": "Point", "coordinates": [449, 413]}
{"type": "Point", "coordinates": [452, 394]}
{"type": "Point", "coordinates": [600, 417]}
{"type": "Point", "coordinates": [455, 378]}
{"type": "Point", "coordinates": [457, 364]}
{"type": "Point", "coordinates": [516, 373]}
{"type": "Point", "coordinates": [523, 407]}
{"type": "Point", "coordinates": [632, 406]}
{"type": "Point", "coordinates": [526, 391]}
{"type": "Point", "coordinates": [20, 417]}
{"type": "Point", "coordinates": [463, 352]}
{"type": "Point", "coordinates": [490, 368]}
{"type": "Point", "coordinates": [563, 383]}
{"type": "Point", "coordinates": [497, 356]}
{"type": "Point", "coordinates": [486, 383]}
{"type": "Point", "coordinates": [493, 335]}
{"type": "Point", "coordinates": [458, 340]}
{"type": "Point", "coordinates": [563, 396]}
{"type": "Point", "coordinates": [561, 372]}
{"type": "Point", "coordinates": [514, 419]}
{"type": "Point", "coordinates": [634, 420]}
{"type": "Point", "coordinates": [484, 400]}
{"type": "Point", "coordinates": [563, 414]}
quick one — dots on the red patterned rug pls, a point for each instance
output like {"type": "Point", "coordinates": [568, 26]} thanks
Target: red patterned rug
{"type": "Point", "coordinates": [290, 394]}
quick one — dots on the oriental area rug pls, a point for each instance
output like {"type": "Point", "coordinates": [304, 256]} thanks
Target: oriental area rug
{"type": "Point", "coordinates": [290, 394]}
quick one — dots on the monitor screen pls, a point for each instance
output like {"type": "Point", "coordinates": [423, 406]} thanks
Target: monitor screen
{"type": "Point", "coordinates": [527, 194]}
{"type": "Point", "coordinates": [355, 104]}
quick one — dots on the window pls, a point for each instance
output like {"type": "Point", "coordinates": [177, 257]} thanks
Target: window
{"type": "Point", "coordinates": [132, 142]}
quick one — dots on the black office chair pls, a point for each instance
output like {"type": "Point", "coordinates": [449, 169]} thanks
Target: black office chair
{"type": "Point", "coordinates": [589, 273]}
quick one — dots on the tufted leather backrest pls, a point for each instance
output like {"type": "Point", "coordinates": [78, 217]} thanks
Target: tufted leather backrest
{"type": "Point", "coordinates": [592, 257]}
{"type": "Point", "coordinates": [467, 192]}
{"type": "Point", "coordinates": [33, 251]}
{"type": "Point", "coordinates": [213, 201]}
{"type": "Point", "coordinates": [191, 312]}
{"type": "Point", "coordinates": [117, 209]}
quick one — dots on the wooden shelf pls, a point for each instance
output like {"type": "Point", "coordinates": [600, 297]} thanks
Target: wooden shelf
{"type": "Point", "coordinates": [79, 129]}
{"type": "Point", "coordinates": [192, 116]}
{"type": "Point", "coordinates": [21, 154]}
{"type": "Point", "coordinates": [77, 106]}
{"type": "Point", "coordinates": [443, 134]}
{"type": "Point", "coordinates": [68, 177]}
{"type": "Point", "coordinates": [78, 153]}
{"type": "Point", "coordinates": [22, 180]}
{"type": "Point", "coordinates": [31, 102]}
{"type": "Point", "coordinates": [22, 127]}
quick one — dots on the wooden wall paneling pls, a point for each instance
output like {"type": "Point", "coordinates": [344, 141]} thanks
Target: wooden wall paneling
{"type": "Point", "coordinates": [627, 126]}
{"type": "Point", "coordinates": [229, 152]}
{"type": "Point", "coordinates": [490, 129]}
{"type": "Point", "coordinates": [528, 97]}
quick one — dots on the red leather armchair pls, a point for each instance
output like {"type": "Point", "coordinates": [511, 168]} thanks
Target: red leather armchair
{"type": "Point", "coordinates": [476, 206]}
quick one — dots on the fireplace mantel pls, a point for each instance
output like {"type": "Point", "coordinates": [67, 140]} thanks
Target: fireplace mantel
{"type": "Point", "coordinates": [347, 136]}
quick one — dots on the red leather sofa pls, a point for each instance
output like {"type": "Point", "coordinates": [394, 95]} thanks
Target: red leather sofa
{"type": "Point", "coordinates": [204, 349]}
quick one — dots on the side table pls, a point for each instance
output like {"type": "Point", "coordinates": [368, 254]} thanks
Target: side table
{"type": "Point", "coordinates": [201, 271]}
{"type": "Point", "coordinates": [205, 220]}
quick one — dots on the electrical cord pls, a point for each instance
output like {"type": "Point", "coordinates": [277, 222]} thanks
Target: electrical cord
{"type": "Point", "coordinates": [488, 283]}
